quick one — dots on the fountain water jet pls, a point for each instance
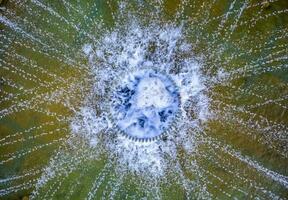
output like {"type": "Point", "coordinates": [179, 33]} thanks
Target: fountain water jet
{"type": "Point", "coordinates": [145, 104]}
{"type": "Point", "coordinates": [63, 63]}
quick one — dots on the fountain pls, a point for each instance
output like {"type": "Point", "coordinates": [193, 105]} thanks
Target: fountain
{"type": "Point", "coordinates": [143, 99]}
{"type": "Point", "coordinates": [144, 106]}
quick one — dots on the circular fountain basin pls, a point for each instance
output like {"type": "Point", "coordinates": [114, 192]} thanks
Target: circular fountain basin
{"type": "Point", "coordinates": [144, 104]}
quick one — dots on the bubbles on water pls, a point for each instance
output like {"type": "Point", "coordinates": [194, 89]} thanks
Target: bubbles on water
{"type": "Point", "coordinates": [143, 99]}
{"type": "Point", "coordinates": [145, 104]}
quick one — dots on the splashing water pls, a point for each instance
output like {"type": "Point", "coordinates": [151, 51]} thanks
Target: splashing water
{"type": "Point", "coordinates": [144, 106]}
{"type": "Point", "coordinates": [144, 99]}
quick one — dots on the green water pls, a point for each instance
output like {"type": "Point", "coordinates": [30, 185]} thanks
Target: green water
{"type": "Point", "coordinates": [45, 78]}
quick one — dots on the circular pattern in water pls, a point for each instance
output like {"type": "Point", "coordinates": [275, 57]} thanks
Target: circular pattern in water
{"type": "Point", "coordinates": [144, 104]}
{"type": "Point", "coordinates": [228, 59]}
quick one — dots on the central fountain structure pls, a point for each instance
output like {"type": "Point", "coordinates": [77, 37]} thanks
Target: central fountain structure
{"type": "Point", "coordinates": [144, 104]}
{"type": "Point", "coordinates": [143, 99]}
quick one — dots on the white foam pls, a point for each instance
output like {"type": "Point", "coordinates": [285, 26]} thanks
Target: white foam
{"type": "Point", "coordinates": [140, 158]}
{"type": "Point", "coordinates": [123, 52]}
{"type": "Point", "coordinates": [87, 49]}
{"type": "Point", "coordinates": [89, 125]}
{"type": "Point", "coordinates": [152, 92]}
{"type": "Point", "coordinates": [145, 105]}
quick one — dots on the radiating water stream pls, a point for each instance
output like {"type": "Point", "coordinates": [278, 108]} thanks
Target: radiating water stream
{"type": "Point", "coordinates": [140, 99]}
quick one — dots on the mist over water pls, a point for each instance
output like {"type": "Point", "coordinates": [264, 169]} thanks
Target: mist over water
{"type": "Point", "coordinates": [143, 99]}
